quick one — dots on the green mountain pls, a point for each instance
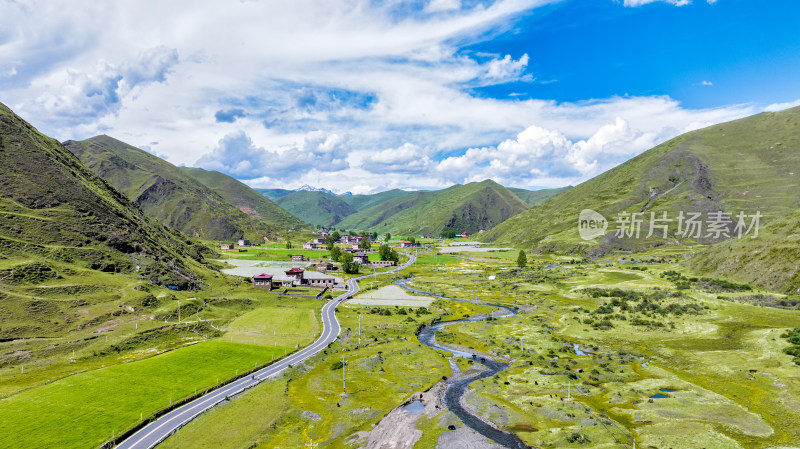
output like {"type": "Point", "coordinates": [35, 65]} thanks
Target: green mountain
{"type": "Point", "coordinates": [535, 197]}
{"type": "Point", "coordinates": [460, 208]}
{"type": "Point", "coordinates": [361, 202]}
{"type": "Point", "coordinates": [65, 232]}
{"type": "Point", "coordinates": [166, 192]}
{"type": "Point", "coordinates": [246, 200]}
{"type": "Point", "coordinates": [316, 208]}
{"type": "Point", "coordinates": [274, 194]}
{"type": "Point", "coordinates": [747, 165]}
{"type": "Point", "coordinates": [770, 260]}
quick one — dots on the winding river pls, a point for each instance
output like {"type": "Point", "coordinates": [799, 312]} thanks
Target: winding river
{"type": "Point", "coordinates": [457, 389]}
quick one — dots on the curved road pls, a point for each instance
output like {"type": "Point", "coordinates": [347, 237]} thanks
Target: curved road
{"type": "Point", "coordinates": [158, 430]}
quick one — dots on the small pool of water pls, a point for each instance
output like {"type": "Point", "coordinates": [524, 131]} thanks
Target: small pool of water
{"type": "Point", "coordinates": [659, 396]}
{"type": "Point", "coordinates": [666, 390]}
{"type": "Point", "coordinates": [415, 408]}
{"type": "Point", "coordinates": [577, 349]}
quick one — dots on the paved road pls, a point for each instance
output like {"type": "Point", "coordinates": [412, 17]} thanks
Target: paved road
{"type": "Point", "coordinates": [157, 431]}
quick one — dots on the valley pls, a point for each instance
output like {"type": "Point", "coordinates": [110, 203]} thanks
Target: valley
{"type": "Point", "coordinates": [132, 320]}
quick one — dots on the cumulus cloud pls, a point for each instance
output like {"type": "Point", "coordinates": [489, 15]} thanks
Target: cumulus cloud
{"type": "Point", "coordinates": [502, 70]}
{"type": "Point", "coordinates": [238, 156]}
{"type": "Point", "coordinates": [365, 98]}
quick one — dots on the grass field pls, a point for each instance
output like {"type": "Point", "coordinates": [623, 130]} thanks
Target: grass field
{"type": "Point", "coordinates": [382, 371]}
{"type": "Point", "coordinates": [82, 410]}
{"type": "Point", "coordinates": [280, 325]}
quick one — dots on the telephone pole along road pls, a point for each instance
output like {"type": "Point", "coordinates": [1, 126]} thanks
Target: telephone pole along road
{"type": "Point", "coordinates": [158, 430]}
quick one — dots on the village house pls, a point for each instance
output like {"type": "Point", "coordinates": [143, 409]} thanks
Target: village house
{"type": "Point", "coordinates": [295, 275]}
{"type": "Point", "coordinates": [463, 235]}
{"type": "Point", "coordinates": [227, 247]}
{"type": "Point", "coordinates": [319, 282]}
{"type": "Point", "coordinates": [407, 244]}
{"type": "Point", "coordinates": [262, 281]}
{"type": "Point", "coordinates": [383, 263]}
{"type": "Point", "coordinates": [325, 266]}
{"type": "Point", "coordinates": [244, 242]}
{"type": "Point", "coordinates": [361, 258]}
{"type": "Point", "coordinates": [299, 258]}
{"type": "Point", "coordinates": [319, 241]}
{"type": "Point", "coordinates": [312, 246]}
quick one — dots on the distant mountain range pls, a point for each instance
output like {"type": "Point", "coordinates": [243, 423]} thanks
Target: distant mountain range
{"type": "Point", "coordinates": [458, 208]}
{"type": "Point", "coordinates": [176, 198]}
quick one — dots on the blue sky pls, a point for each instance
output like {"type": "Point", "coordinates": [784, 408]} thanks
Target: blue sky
{"type": "Point", "coordinates": [363, 96]}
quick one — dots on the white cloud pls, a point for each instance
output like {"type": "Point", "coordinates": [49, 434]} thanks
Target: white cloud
{"type": "Point", "coordinates": [442, 5]}
{"type": "Point", "coordinates": [781, 106]}
{"type": "Point", "coordinates": [505, 69]}
{"type": "Point", "coordinates": [321, 93]}
{"type": "Point", "coordinates": [706, 83]}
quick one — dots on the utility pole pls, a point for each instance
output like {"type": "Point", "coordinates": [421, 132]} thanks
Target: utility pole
{"type": "Point", "coordinates": [522, 344]}
{"type": "Point", "coordinates": [569, 388]}
{"type": "Point", "coordinates": [312, 445]}
{"type": "Point", "coordinates": [359, 328]}
{"type": "Point", "coordinates": [179, 311]}
{"type": "Point", "coordinates": [344, 376]}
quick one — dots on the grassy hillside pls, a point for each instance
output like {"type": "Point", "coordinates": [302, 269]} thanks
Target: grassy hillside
{"type": "Point", "coordinates": [748, 165]}
{"type": "Point", "coordinates": [535, 197]}
{"type": "Point", "coordinates": [55, 211]}
{"type": "Point", "coordinates": [165, 192]}
{"type": "Point", "coordinates": [273, 194]}
{"type": "Point", "coordinates": [316, 208]}
{"type": "Point", "coordinates": [461, 208]}
{"type": "Point", "coordinates": [246, 199]}
{"type": "Point", "coordinates": [361, 202]}
{"type": "Point", "coordinates": [769, 260]}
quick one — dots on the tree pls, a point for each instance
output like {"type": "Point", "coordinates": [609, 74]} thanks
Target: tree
{"type": "Point", "coordinates": [288, 244]}
{"type": "Point", "coordinates": [387, 253]}
{"type": "Point", "coordinates": [329, 242]}
{"type": "Point", "coordinates": [448, 234]}
{"type": "Point", "coordinates": [348, 265]}
{"type": "Point", "coordinates": [336, 253]}
{"type": "Point", "coordinates": [412, 240]}
{"type": "Point", "coordinates": [374, 236]}
{"type": "Point", "coordinates": [522, 259]}
{"type": "Point", "coordinates": [364, 243]}
{"type": "Point", "coordinates": [388, 236]}
{"type": "Point", "coordinates": [336, 236]}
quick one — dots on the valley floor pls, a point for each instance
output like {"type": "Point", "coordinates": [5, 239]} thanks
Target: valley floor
{"type": "Point", "coordinates": [600, 354]}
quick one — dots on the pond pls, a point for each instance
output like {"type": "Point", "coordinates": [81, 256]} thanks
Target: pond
{"type": "Point", "coordinates": [414, 408]}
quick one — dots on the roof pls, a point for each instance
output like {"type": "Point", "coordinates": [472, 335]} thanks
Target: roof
{"type": "Point", "coordinates": [262, 276]}
{"type": "Point", "coordinates": [295, 271]}
{"type": "Point", "coordinates": [361, 255]}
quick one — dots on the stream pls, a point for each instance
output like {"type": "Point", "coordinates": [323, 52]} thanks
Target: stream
{"type": "Point", "coordinates": [456, 389]}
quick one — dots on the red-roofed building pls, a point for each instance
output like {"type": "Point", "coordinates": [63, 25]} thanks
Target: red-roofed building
{"type": "Point", "coordinates": [295, 275]}
{"type": "Point", "coordinates": [262, 281]}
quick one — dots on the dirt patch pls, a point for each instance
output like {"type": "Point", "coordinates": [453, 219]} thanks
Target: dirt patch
{"type": "Point", "coordinates": [397, 430]}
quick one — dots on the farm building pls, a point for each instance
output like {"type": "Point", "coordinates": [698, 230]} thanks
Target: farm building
{"type": "Point", "coordinates": [361, 258]}
{"type": "Point", "coordinates": [262, 281]}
